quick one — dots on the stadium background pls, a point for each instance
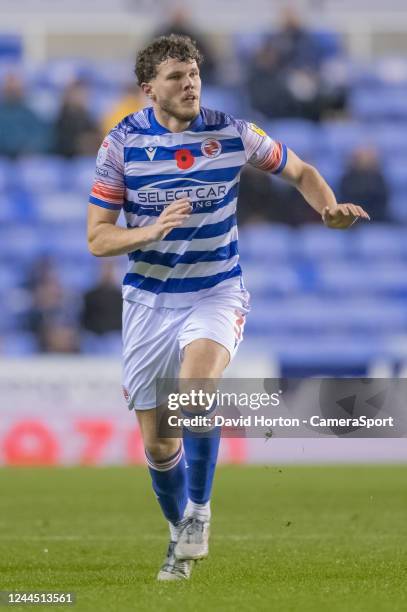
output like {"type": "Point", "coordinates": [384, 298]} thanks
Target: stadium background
{"type": "Point", "coordinates": [323, 302]}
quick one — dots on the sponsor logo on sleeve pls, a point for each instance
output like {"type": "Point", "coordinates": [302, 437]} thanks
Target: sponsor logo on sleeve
{"type": "Point", "coordinates": [102, 154]}
{"type": "Point", "coordinates": [211, 148]}
{"type": "Point", "coordinates": [255, 128]}
{"type": "Point", "coordinates": [101, 171]}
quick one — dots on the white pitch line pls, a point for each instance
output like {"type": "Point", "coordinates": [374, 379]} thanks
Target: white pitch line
{"type": "Point", "coordinates": [232, 537]}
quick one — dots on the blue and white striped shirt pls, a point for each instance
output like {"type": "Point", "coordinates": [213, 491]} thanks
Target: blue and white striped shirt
{"type": "Point", "coordinates": [142, 167]}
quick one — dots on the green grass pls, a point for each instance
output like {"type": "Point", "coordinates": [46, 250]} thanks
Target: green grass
{"type": "Point", "coordinates": [283, 539]}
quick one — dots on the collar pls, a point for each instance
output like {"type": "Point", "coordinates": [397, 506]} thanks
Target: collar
{"type": "Point", "coordinates": [194, 126]}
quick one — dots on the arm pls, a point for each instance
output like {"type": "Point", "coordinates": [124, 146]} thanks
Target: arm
{"type": "Point", "coordinates": [105, 238]}
{"type": "Point", "coordinates": [270, 156]}
{"type": "Point", "coordinates": [319, 195]}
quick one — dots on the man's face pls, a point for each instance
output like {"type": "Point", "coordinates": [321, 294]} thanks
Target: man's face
{"type": "Point", "coordinates": [177, 88]}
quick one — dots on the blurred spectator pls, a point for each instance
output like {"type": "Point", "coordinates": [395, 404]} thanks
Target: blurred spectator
{"type": "Point", "coordinates": [286, 78]}
{"type": "Point", "coordinates": [102, 309]}
{"type": "Point", "coordinates": [21, 130]}
{"type": "Point", "coordinates": [53, 313]}
{"type": "Point", "coordinates": [265, 198]}
{"type": "Point", "coordinates": [179, 23]}
{"type": "Point", "coordinates": [76, 132]}
{"type": "Point", "coordinates": [363, 183]}
{"type": "Point", "coordinates": [131, 101]}
{"type": "Point", "coordinates": [295, 46]}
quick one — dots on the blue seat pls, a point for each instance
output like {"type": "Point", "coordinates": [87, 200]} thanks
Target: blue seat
{"type": "Point", "coordinates": [330, 166]}
{"type": "Point", "coordinates": [59, 73]}
{"type": "Point", "coordinates": [81, 174]}
{"type": "Point", "coordinates": [222, 99]}
{"type": "Point", "coordinates": [105, 344]}
{"type": "Point", "coordinates": [11, 47]}
{"type": "Point", "coordinates": [20, 243]}
{"type": "Point", "coordinates": [270, 279]}
{"type": "Point", "coordinates": [398, 206]}
{"type": "Point", "coordinates": [62, 206]}
{"type": "Point", "coordinates": [300, 135]}
{"type": "Point", "coordinates": [390, 139]}
{"type": "Point", "coordinates": [379, 103]}
{"type": "Point", "coordinates": [329, 43]}
{"type": "Point", "coordinates": [380, 242]}
{"type": "Point", "coordinates": [395, 171]}
{"type": "Point", "coordinates": [314, 314]}
{"type": "Point", "coordinates": [368, 280]}
{"type": "Point", "coordinates": [264, 242]}
{"type": "Point", "coordinates": [40, 174]}
{"type": "Point", "coordinates": [339, 138]}
{"type": "Point", "coordinates": [316, 243]}
{"type": "Point", "coordinates": [19, 344]}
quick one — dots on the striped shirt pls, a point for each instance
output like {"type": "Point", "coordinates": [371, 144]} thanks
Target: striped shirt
{"type": "Point", "coordinates": [142, 167]}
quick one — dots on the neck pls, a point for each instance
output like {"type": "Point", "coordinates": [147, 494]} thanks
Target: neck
{"type": "Point", "coordinates": [169, 121]}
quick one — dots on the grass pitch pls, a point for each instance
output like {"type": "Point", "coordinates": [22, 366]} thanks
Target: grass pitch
{"type": "Point", "coordinates": [283, 539]}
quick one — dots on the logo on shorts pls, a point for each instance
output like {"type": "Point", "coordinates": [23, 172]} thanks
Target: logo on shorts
{"type": "Point", "coordinates": [126, 395]}
{"type": "Point", "coordinates": [211, 148]}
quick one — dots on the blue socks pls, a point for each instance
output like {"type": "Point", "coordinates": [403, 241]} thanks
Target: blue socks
{"type": "Point", "coordinates": [170, 484]}
{"type": "Point", "coordinates": [201, 454]}
{"type": "Point", "coordinates": [174, 484]}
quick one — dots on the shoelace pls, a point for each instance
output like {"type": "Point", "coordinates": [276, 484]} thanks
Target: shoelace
{"type": "Point", "coordinates": [173, 565]}
{"type": "Point", "coordinates": [191, 525]}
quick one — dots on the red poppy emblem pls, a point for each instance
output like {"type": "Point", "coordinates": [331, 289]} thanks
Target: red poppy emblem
{"type": "Point", "coordinates": [184, 158]}
{"type": "Point", "coordinates": [211, 147]}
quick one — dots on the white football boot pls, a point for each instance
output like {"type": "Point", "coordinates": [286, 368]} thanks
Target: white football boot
{"type": "Point", "coordinates": [193, 536]}
{"type": "Point", "coordinates": [173, 568]}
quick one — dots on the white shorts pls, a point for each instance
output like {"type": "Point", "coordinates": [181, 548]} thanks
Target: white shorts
{"type": "Point", "coordinates": [154, 339]}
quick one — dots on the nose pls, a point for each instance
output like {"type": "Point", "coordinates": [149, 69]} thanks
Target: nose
{"type": "Point", "coordinates": [189, 83]}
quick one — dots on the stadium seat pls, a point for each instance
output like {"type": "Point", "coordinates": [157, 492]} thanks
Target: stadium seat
{"type": "Point", "coordinates": [59, 73]}
{"type": "Point", "coordinates": [11, 47]}
{"type": "Point", "coordinates": [307, 314]}
{"type": "Point", "coordinates": [339, 138]}
{"type": "Point", "coordinates": [380, 242]}
{"type": "Point", "coordinates": [39, 174]}
{"type": "Point", "coordinates": [222, 99]}
{"type": "Point", "coordinates": [81, 172]}
{"type": "Point", "coordinates": [263, 242]}
{"type": "Point", "coordinates": [379, 103]}
{"type": "Point", "coordinates": [390, 139]}
{"type": "Point", "coordinates": [316, 243]}
{"type": "Point", "coordinates": [62, 206]}
{"type": "Point", "coordinates": [398, 206]}
{"type": "Point", "coordinates": [269, 279]}
{"type": "Point", "coordinates": [300, 135]}
{"type": "Point", "coordinates": [105, 344]}
{"type": "Point", "coordinates": [368, 280]}
{"type": "Point", "coordinates": [18, 344]}
{"type": "Point", "coordinates": [20, 242]}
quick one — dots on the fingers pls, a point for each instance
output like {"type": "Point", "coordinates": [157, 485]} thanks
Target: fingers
{"type": "Point", "coordinates": [184, 204]}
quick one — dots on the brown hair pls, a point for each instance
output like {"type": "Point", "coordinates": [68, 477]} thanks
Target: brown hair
{"type": "Point", "coordinates": [176, 46]}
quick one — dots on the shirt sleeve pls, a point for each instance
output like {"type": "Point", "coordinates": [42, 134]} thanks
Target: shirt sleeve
{"type": "Point", "coordinates": [262, 151]}
{"type": "Point", "coordinates": [108, 187]}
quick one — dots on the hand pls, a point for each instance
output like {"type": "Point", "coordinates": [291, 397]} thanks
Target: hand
{"type": "Point", "coordinates": [172, 216]}
{"type": "Point", "coordinates": [343, 215]}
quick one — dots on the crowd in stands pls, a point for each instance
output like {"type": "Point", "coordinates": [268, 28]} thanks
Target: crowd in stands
{"type": "Point", "coordinates": [283, 77]}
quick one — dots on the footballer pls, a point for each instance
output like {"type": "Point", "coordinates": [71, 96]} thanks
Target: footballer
{"type": "Point", "coordinates": [174, 169]}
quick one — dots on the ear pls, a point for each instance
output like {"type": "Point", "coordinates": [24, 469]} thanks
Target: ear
{"type": "Point", "coordinates": [148, 90]}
